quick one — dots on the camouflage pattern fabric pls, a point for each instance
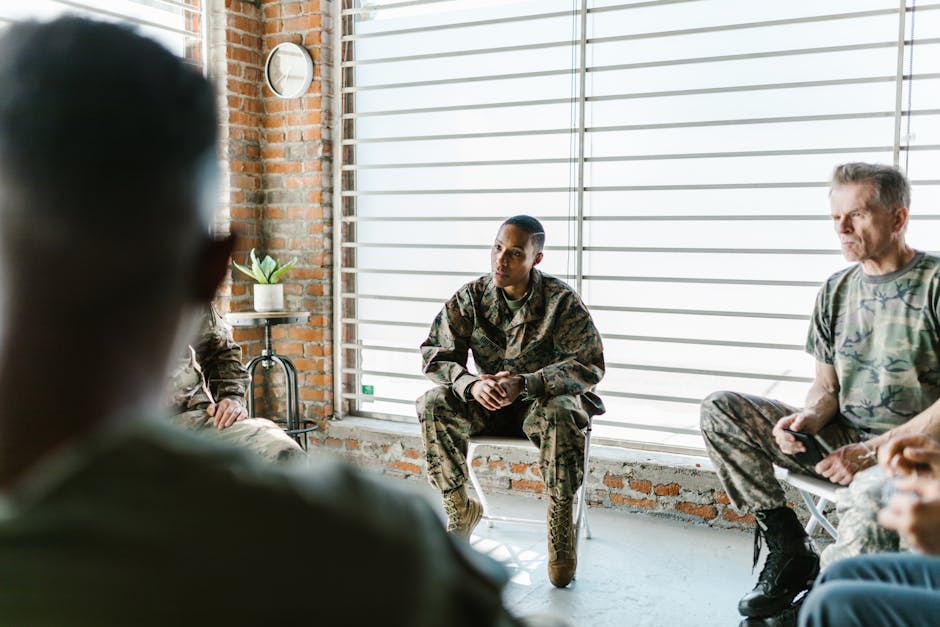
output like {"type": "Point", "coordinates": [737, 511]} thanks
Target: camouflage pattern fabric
{"type": "Point", "coordinates": [554, 424]}
{"type": "Point", "coordinates": [859, 531]}
{"type": "Point", "coordinates": [882, 336]}
{"type": "Point", "coordinates": [737, 431]}
{"type": "Point", "coordinates": [551, 342]}
{"type": "Point", "coordinates": [211, 368]}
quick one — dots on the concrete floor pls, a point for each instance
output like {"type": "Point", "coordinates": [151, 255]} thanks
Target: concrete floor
{"type": "Point", "coordinates": [637, 570]}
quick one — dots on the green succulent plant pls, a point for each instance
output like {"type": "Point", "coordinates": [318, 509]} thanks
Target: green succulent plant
{"type": "Point", "coordinates": [267, 270]}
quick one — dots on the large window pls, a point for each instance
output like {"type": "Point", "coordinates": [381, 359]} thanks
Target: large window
{"type": "Point", "coordinates": [177, 24]}
{"type": "Point", "coordinates": [678, 152]}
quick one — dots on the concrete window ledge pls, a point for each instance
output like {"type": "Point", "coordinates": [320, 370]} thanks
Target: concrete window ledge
{"type": "Point", "coordinates": [665, 484]}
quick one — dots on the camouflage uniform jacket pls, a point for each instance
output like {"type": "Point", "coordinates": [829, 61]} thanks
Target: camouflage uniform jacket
{"type": "Point", "coordinates": [210, 365]}
{"type": "Point", "coordinates": [551, 341]}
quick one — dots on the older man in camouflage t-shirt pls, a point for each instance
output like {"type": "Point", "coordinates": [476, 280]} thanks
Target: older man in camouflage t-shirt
{"type": "Point", "coordinates": [875, 334]}
{"type": "Point", "coordinates": [539, 357]}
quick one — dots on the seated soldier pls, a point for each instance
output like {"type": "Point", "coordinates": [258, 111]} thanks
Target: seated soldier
{"type": "Point", "coordinates": [539, 358]}
{"type": "Point", "coordinates": [877, 350]}
{"type": "Point", "coordinates": [111, 516]}
{"type": "Point", "coordinates": [207, 394]}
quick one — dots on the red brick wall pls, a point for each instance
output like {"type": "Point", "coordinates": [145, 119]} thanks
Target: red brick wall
{"type": "Point", "coordinates": [279, 181]}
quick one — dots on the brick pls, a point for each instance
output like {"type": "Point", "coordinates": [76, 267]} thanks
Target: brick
{"type": "Point", "coordinates": [477, 462]}
{"type": "Point", "coordinates": [526, 485]}
{"type": "Point", "coordinates": [641, 485]}
{"type": "Point", "coordinates": [405, 467]}
{"type": "Point", "coordinates": [670, 489]}
{"type": "Point", "coordinates": [305, 334]}
{"type": "Point", "coordinates": [731, 516]}
{"type": "Point", "coordinates": [310, 394]}
{"type": "Point", "coordinates": [706, 512]}
{"type": "Point", "coordinates": [351, 444]}
{"type": "Point", "coordinates": [303, 23]}
{"type": "Point", "coordinates": [613, 482]}
{"type": "Point", "coordinates": [411, 453]}
{"type": "Point", "coordinates": [334, 442]}
{"type": "Point", "coordinates": [518, 469]}
{"type": "Point", "coordinates": [496, 464]}
{"type": "Point", "coordinates": [722, 498]}
{"type": "Point", "coordinates": [620, 499]}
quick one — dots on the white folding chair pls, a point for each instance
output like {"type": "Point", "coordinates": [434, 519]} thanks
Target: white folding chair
{"type": "Point", "coordinates": [580, 509]}
{"type": "Point", "coordinates": [808, 487]}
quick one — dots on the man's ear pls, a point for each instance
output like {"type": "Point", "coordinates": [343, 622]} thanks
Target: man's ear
{"type": "Point", "coordinates": [213, 267]}
{"type": "Point", "coordinates": [900, 218]}
{"type": "Point", "coordinates": [538, 259]}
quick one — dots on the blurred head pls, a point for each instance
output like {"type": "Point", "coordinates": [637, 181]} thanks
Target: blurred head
{"type": "Point", "coordinates": [107, 171]}
{"type": "Point", "coordinates": [517, 249]}
{"type": "Point", "coordinates": [869, 206]}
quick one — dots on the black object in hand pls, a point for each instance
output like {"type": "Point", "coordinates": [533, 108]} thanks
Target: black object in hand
{"type": "Point", "coordinates": [813, 454]}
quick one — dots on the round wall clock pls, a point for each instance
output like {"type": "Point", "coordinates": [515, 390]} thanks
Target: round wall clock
{"type": "Point", "coordinates": [288, 70]}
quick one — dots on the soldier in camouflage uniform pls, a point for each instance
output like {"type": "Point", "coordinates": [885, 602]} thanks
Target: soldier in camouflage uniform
{"type": "Point", "coordinates": [207, 393]}
{"type": "Point", "coordinates": [875, 334]}
{"type": "Point", "coordinates": [539, 357]}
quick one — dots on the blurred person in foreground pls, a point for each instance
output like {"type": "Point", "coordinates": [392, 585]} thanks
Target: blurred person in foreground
{"type": "Point", "coordinates": [110, 516]}
{"type": "Point", "coordinates": [891, 589]}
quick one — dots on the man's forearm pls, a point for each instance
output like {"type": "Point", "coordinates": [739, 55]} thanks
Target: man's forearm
{"type": "Point", "coordinates": [822, 401]}
{"type": "Point", "coordinates": [926, 422]}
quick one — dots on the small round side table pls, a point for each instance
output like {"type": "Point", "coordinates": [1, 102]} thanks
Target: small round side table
{"type": "Point", "coordinates": [268, 358]}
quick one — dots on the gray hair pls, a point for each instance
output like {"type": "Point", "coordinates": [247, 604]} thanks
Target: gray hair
{"type": "Point", "coordinates": [891, 188]}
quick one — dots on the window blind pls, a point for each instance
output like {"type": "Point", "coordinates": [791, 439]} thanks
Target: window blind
{"type": "Point", "coordinates": [677, 151]}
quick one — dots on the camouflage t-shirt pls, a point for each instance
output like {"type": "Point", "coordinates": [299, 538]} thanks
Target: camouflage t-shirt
{"type": "Point", "coordinates": [882, 336]}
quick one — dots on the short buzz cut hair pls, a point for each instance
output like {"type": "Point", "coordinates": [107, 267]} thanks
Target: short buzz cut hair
{"type": "Point", "coordinates": [891, 188]}
{"type": "Point", "coordinates": [531, 226]}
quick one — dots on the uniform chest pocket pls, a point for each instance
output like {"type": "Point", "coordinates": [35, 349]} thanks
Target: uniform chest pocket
{"type": "Point", "coordinates": [542, 348]}
{"type": "Point", "coordinates": [481, 340]}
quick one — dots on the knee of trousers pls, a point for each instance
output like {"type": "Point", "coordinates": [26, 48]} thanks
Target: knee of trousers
{"type": "Point", "coordinates": [562, 410]}
{"type": "Point", "coordinates": [439, 398]}
{"type": "Point", "coordinates": [715, 410]}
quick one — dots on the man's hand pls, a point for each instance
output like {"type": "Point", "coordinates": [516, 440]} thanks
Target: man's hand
{"type": "Point", "coordinates": [803, 422]}
{"type": "Point", "coordinates": [488, 391]}
{"type": "Point", "coordinates": [914, 512]}
{"type": "Point", "coordinates": [511, 384]}
{"type": "Point", "coordinates": [842, 464]}
{"type": "Point", "coordinates": [911, 455]}
{"type": "Point", "coordinates": [226, 412]}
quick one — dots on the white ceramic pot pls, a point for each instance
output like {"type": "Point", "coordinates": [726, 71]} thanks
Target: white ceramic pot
{"type": "Point", "coordinates": [269, 297]}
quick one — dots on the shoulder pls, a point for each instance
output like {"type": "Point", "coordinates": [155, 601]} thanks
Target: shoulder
{"type": "Point", "coordinates": [839, 279]}
{"type": "Point", "coordinates": [558, 293]}
{"type": "Point", "coordinates": [929, 264]}
{"type": "Point", "coordinates": [472, 291]}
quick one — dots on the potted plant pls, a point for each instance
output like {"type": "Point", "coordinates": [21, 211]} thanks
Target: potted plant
{"type": "Point", "coordinates": [268, 293]}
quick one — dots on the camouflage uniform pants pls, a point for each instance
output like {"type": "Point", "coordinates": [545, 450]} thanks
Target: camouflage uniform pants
{"type": "Point", "coordinates": [257, 434]}
{"type": "Point", "coordinates": [737, 431]}
{"type": "Point", "coordinates": [859, 531]}
{"type": "Point", "coordinates": [554, 424]}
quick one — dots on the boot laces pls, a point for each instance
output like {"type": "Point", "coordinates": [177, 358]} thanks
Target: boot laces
{"type": "Point", "coordinates": [560, 523]}
{"type": "Point", "coordinates": [453, 508]}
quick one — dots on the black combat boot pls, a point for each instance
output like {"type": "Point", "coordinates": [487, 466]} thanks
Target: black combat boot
{"type": "Point", "coordinates": [791, 564]}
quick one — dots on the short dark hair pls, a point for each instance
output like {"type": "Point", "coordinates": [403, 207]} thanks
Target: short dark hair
{"type": "Point", "coordinates": [891, 188]}
{"type": "Point", "coordinates": [531, 226]}
{"type": "Point", "coordinates": [90, 111]}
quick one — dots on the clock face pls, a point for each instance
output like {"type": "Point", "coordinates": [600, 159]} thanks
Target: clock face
{"type": "Point", "coordinates": [289, 70]}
